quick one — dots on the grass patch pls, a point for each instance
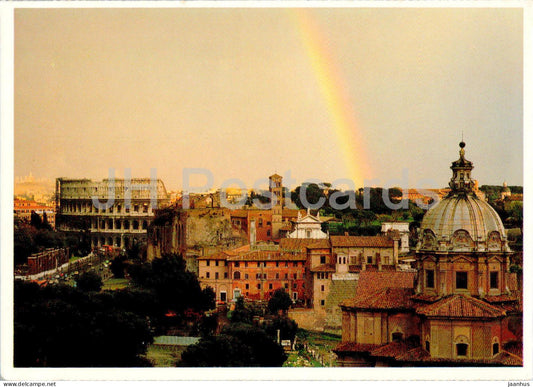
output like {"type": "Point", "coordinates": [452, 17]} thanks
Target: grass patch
{"type": "Point", "coordinates": [116, 284]}
{"type": "Point", "coordinates": [164, 356]}
{"type": "Point", "coordinates": [319, 342]}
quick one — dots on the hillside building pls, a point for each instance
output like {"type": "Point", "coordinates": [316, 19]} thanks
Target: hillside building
{"type": "Point", "coordinates": [461, 307]}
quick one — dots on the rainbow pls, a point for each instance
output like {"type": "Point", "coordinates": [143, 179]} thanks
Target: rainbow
{"type": "Point", "coordinates": [331, 84]}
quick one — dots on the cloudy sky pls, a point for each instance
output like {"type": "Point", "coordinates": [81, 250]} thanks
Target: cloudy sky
{"type": "Point", "coordinates": [355, 93]}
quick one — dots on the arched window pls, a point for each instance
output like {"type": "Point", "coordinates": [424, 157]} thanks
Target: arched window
{"type": "Point", "coordinates": [495, 348]}
{"type": "Point", "coordinates": [237, 275]}
{"type": "Point", "coordinates": [135, 224]}
{"type": "Point", "coordinates": [145, 225]}
{"type": "Point", "coordinates": [462, 349]}
{"type": "Point", "coordinates": [397, 337]}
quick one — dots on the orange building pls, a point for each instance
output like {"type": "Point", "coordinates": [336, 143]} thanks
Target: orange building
{"type": "Point", "coordinates": [22, 208]}
{"type": "Point", "coordinates": [253, 274]}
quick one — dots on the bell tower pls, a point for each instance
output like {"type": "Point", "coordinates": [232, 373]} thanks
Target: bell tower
{"type": "Point", "coordinates": [275, 187]}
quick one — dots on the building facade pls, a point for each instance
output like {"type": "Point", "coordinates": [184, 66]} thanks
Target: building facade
{"type": "Point", "coordinates": [113, 212]}
{"type": "Point", "coordinates": [462, 308]}
{"type": "Point", "coordinates": [254, 273]}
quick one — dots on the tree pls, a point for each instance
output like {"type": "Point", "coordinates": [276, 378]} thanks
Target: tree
{"type": "Point", "coordinates": [117, 266]}
{"type": "Point", "coordinates": [60, 326]}
{"type": "Point", "coordinates": [35, 220]}
{"type": "Point", "coordinates": [89, 281]}
{"type": "Point", "coordinates": [280, 300]}
{"type": "Point", "coordinates": [239, 345]}
{"type": "Point", "coordinates": [174, 286]}
{"type": "Point", "coordinates": [46, 225]}
{"type": "Point", "coordinates": [286, 326]}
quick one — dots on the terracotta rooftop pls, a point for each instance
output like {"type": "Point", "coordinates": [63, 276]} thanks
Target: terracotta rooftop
{"type": "Point", "coordinates": [355, 347]}
{"type": "Point", "coordinates": [425, 298]}
{"type": "Point", "coordinates": [386, 298]}
{"type": "Point", "coordinates": [324, 268]}
{"type": "Point", "coordinates": [361, 241]}
{"type": "Point", "coordinates": [296, 244]}
{"type": "Point", "coordinates": [390, 350]}
{"type": "Point", "coordinates": [501, 298]}
{"type": "Point", "coordinates": [268, 256]}
{"type": "Point", "coordinates": [507, 358]}
{"type": "Point", "coordinates": [239, 213]}
{"type": "Point", "coordinates": [459, 306]}
{"type": "Point", "coordinates": [402, 352]}
{"type": "Point", "coordinates": [320, 244]}
{"type": "Point", "coordinates": [290, 213]}
{"type": "Point", "coordinates": [415, 354]}
{"type": "Point", "coordinates": [216, 256]}
{"type": "Point", "coordinates": [373, 281]}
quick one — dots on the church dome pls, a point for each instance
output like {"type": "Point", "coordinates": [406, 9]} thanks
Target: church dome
{"type": "Point", "coordinates": [462, 221]}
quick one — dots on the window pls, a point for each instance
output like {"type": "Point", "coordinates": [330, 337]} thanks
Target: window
{"type": "Point", "coordinates": [260, 223]}
{"type": "Point", "coordinates": [264, 276]}
{"type": "Point", "coordinates": [321, 288]}
{"type": "Point", "coordinates": [369, 260]}
{"type": "Point", "coordinates": [294, 286]}
{"type": "Point", "coordinates": [216, 275]}
{"type": "Point", "coordinates": [277, 275]}
{"type": "Point", "coordinates": [236, 264]}
{"type": "Point", "coordinates": [286, 285]}
{"type": "Point", "coordinates": [223, 296]}
{"type": "Point", "coordinates": [461, 280]}
{"type": "Point", "coordinates": [308, 233]}
{"type": "Point", "coordinates": [495, 348]}
{"type": "Point", "coordinates": [286, 264]}
{"type": "Point", "coordinates": [245, 264]}
{"type": "Point", "coordinates": [286, 276]}
{"type": "Point", "coordinates": [494, 280]}
{"type": "Point", "coordinates": [208, 263]}
{"type": "Point", "coordinates": [270, 286]}
{"type": "Point", "coordinates": [268, 224]}
{"type": "Point", "coordinates": [136, 208]}
{"type": "Point", "coordinates": [258, 286]}
{"type": "Point", "coordinates": [430, 278]}
{"type": "Point", "coordinates": [295, 276]}
{"type": "Point", "coordinates": [207, 275]}
{"type": "Point", "coordinates": [226, 275]}
{"type": "Point", "coordinates": [268, 232]}
{"type": "Point", "coordinates": [397, 336]}
{"type": "Point", "coordinates": [247, 286]}
{"type": "Point", "coordinates": [322, 259]}
{"type": "Point", "coordinates": [246, 276]}
{"type": "Point", "coordinates": [427, 345]}
{"type": "Point", "coordinates": [322, 302]}
{"type": "Point", "coordinates": [461, 349]}
{"type": "Point", "coordinates": [216, 263]}
{"type": "Point", "coordinates": [258, 264]}
{"type": "Point", "coordinates": [295, 264]}
{"type": "Point", "coordinates": [277, 264]}
{"type": "Point", "coordinates": [344, 260]}
{"type": "Point", "coordinates": [237, 275]}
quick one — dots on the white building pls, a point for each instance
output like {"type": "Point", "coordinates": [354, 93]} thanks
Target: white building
{"type": "Point", "coordinates": [309, 227]}
{"type": "Point", "coordinates": [403, 229]}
